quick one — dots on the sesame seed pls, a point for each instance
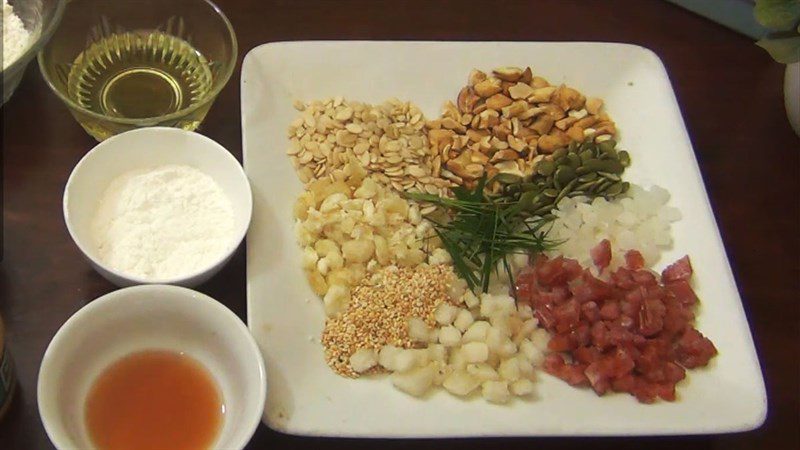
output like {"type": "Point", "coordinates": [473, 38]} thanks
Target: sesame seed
{"type": "Point", "coordinates": [379, 311]}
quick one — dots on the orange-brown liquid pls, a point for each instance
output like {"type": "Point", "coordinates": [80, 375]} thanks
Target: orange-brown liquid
{"type": "Point", "coordinates": [154, 399]}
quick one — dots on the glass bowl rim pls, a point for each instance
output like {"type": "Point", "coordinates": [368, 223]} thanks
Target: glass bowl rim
{"type": "Point", "coordinates": [155, 120]}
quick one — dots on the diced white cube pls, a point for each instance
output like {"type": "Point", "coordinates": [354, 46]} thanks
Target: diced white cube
{"type": "Point", "coordinates": [471, 300]}
{"type": "Point", "coordinates": [495, 391]}
{"type": "Point", "coordinates": [522, 387]}
{"type": "Point", "coordinates": [418, 330]}
{"type": "Point", "coordinates": [460, 383]}
{"type": "Point", "coordinates": [475, 352]}
{"type": "Point", "coordinates": [363, 359]}
{"type": "Point", "coordinates": [445, 313]}
{"type": "Point", "coordinates": [509, 369]}
{"type": "Point", "coordinates": [483, 371]}
{"type": "Point", "coordinates": [449, 336]}
{"type": "Point", "coordinates": [416, 381]}
{"type": "Point", "coordinates": [463, 319]}
{"type": "Point", "coordinates": [437, 352]}
{"type": "Point", "coordinates": [476, 332]}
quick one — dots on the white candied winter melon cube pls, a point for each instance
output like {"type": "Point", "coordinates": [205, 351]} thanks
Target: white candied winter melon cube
{"type": "Point", "coordinates": [418, 330]}
{"type": "Point", "coordinates": [522, 387]}
{"type": "Point", "coordinates": [470, 299]}
{"type": "Point", "coordinates": [363, 359]}
{"type": "Point", "coordinates": [495, 391]}
{"type": "Point", "coordinates": [387, 355]}
{"type": "Point", "coordinates": [416, 381]}
{"type": "Point", "coordinates": [509, 369]}
{"type": "Point", "coordinates": [445, 313]}
{"type": "Point", "coordinates": [463, 319]}
{"type": "Point", "coordinates": [437, 352]}
{"type": "Point", "coordinates": [483, 371]}
{"type": "Point", "coordinates": [449, 336]}
{"type": "Point", "coordinates": [460, 382]}
{"type": "Point", "coordinates": [495, 339]}
{"type": "Point", "coordinates": [476, 332]}
{"type": "Point", "coordinates": [475, 352]}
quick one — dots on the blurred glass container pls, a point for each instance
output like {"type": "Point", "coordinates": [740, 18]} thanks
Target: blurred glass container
{"type": "Point", "coordinates": [41, 18]}
{"type": "Point", "coordinates": [125, 64]}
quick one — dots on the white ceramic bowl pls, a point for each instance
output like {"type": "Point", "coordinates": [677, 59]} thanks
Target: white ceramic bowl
{"type": "Point", "coordinates": [151, 317]}
{"type": "Point", "coordinates": [148, 148]}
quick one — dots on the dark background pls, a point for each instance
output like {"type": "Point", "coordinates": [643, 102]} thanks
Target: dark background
{"type": "Point", "coordinates": [730, 93]}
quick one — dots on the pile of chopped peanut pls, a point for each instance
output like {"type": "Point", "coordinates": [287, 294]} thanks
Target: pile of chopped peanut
{"type": "Point", "coordinates": [504, 122]}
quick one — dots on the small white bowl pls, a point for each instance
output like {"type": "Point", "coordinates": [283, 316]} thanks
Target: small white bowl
{"type": "Point", "coordinates": [149, 148]}
{"type": "Point", "coordinates": [151, 317]}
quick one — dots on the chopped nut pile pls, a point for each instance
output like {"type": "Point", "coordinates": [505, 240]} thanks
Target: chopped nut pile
{"type": "Point", "coordinates": [503, 121]}
{"type": "Point", "coordinates": [379, 311]}
{"type": "Point", "coordinates": [389, 140]}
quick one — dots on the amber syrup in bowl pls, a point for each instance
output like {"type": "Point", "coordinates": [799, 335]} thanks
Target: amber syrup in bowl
{"type": "Point", "coordinates": [154, 399]}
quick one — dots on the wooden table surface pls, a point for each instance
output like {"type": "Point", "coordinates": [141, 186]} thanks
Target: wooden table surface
{"type": "Point", "coordinates": [729, 90]}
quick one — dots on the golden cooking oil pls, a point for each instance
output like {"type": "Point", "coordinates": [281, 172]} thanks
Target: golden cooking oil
{"type": "Point", "coordinates": [140, 75]}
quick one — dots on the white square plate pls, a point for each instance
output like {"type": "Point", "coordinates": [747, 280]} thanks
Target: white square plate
{"type": "Point", "coordinates": [306, 397]}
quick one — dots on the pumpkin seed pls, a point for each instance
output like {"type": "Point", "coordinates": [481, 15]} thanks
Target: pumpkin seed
{"type": "Point", "coordinates": [587, 169]}
{"type": "Point", "coordinates": [609, 176]}
{"type": "Point", "coordinates": [614, 190]}
{"type": "Point", "coordinates": [608, 146]}
{"type": "Point", "coordinates": [564, 191]}
{"type": "Point", "coordinates": [565, 174]}
{"type": "Point", "coordinates": [624, 158]}
{"type": "Point", "coordinates": [545, 167]}
{"type": "Point", "coordinates": [506, 178]}
{"type": "Point", "coordinates": [574, 160]}
{"type": "Point", "coordinates": [560, 153]}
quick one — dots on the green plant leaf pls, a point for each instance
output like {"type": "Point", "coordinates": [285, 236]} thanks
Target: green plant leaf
{"type": "Point", "coordinates": [784, 50]}
{"type": "Point", "coordinates": [777, 14]}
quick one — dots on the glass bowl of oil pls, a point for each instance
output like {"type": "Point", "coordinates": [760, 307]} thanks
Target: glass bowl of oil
{"type": "Point", "coordinates": [125, 64]}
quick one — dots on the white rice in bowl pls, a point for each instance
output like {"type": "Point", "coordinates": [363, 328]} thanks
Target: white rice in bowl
{"type": "Point", "coordinates": [640, 220]}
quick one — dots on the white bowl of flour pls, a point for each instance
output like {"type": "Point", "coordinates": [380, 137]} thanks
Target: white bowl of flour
{"type": "Point", "coordinates": [158, 205]}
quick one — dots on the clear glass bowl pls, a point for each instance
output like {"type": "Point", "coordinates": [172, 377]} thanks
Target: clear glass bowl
{"type": "Point", "coordinates": [87, 23]}
{"type": "Point", "coordinates": [41, 18]}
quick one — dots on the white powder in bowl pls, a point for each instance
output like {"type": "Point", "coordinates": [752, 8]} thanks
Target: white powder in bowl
{"type": "Point", "coordinates": [15, 36]}
{"type": "Point", "coordinates": [161, 223]}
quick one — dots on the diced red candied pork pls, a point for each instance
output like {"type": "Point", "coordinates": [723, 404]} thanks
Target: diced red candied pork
{"type": "Point", "coordinates": [634, 260]}
{"type": "Point", "coordinates": [679, 270]}
{"type": "Point", "coordinates": [601, 254]}
{"type": "Point", "coordinates": [628, 334]}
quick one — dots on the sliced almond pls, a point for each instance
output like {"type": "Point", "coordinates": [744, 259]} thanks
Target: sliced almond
{"type": "Point", "coordinates": [575, 133]}
{"type": "Point", "coordinates": [565, 123]}
{"type": "Point", "coordinates": [504, 155]}
{"type": "Point", "coordinates": [543, 124]}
